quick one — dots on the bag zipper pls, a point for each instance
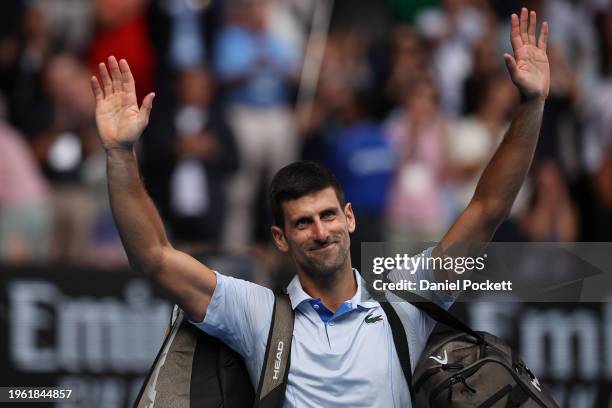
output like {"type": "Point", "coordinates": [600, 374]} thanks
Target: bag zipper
{"type": "Point", "coordinates": [450, 382]}
{"type": "Point", "coordinates": [427, 374]}
{"type": "Point", "coordinates": [468, 372]}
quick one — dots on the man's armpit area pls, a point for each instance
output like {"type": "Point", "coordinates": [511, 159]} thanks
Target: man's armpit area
{"type": "Point", "coordinates": [236, 312]}
{"type": "Point", "coordinates": [214, 300]}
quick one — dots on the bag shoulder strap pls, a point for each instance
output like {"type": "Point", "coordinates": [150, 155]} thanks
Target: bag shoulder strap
{"type": "Point", "coordinates": [441, 315]}
{"type": "Point", "coordinates": [176, 320]}
{"type": "Point", "coordinates": [401, 343]}
{"type": "Point", "coordinates": [273, 377]}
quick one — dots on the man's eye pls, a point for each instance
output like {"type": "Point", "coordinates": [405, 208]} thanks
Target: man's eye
{"type": "Point", "coordinates": [328, 216]}
{"type": "Point", "coordinates": [301, 223]}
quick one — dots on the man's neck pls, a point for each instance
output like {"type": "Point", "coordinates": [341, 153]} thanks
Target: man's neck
{"type": "Point", "coordinates": [333, 291]}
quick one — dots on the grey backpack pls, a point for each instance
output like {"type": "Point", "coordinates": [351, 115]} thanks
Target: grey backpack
{"type": "Point", "coordinates": [195, 370]}
{"type": "Point", "coordinates": [464, 368]}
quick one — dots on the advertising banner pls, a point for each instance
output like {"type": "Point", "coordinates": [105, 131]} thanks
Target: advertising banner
{"type": "Point", "coordinates": [96, 333]}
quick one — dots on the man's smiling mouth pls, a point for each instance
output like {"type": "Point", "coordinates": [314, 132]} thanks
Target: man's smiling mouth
{"type": "Point", "coordinates": [325, 246]}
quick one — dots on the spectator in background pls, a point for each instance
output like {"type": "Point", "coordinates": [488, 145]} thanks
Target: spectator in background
{"type": "Point", "coordinates": [69, 23]}
{"type": "Point", "coordinates": [189, 151]}
{"type": "Point", "coordinates": [289, 19]}
{"type": "Point", "coordinates": [342, 91]}
{"type": "Point", "coordinates": [256, 71]}
{"type": "Point", "coordinates": [417, 133]}
{"type": "Point", "coordinates": [333, 93]}
{"type": "Point", "coordinates": [68, 140]}
{"type": "Point", "coordinates": [69, 134]}
{"type": "Point", "coordinates": [408, 61]}
{"type": "Point", "coordinates": [603, 187]}
{"type": "Point", "coordinates": [27, 95]}
{"type": "Point", "coordinates": [182, 32]}
{"type": "Point", "coordinates": [25, 217]}
{"type": "Point", "coordinates": [452, 30]}
{"type": "Point", "coordinates": [594, 196]}
{"type": "Point", "coordinates": [352, 50]}
{"type": "Point", "coordinates": [345, 76]}
{"type": "Point", "coordinates": [361, 158]}
{"type": "Point", "coordinates": [122, 30]}
{"type": "Point", "coordinates": [485, 63]}
{"type": "Point", "coordinates": [598, 137]}
{"type": "Point", "coordinates": [550, 216]}
{"type": "Point", "coordinates": [11, 42]}
{"type": "Point", "coordinates": [561, 120]}
{"type": "Point", "coordinates": [473, 139]}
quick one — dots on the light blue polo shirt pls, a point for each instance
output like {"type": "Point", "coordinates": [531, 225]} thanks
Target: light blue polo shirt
{"type": "Point", "coordinates": [340, 359]}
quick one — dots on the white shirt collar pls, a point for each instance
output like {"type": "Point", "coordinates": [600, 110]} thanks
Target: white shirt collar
{"type": "Point", "coordinates": [297, 295]}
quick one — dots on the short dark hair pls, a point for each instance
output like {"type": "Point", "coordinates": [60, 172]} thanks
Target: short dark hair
{"type": "Point", "coordinates": [297, 180]}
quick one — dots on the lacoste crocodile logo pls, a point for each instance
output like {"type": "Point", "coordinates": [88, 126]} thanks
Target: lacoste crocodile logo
{"type": "Point", "coordinates": [439, 359]}
{"type": "Point", "coordinates": [372, 319]}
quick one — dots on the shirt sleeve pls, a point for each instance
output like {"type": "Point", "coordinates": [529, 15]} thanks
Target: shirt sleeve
{"type": "Point", "coordinates": [239, 314]}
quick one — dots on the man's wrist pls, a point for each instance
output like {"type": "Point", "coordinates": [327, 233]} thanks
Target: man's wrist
{"type": "Point", "coordinates": [119, 151]}
{"type": "Point", "coordinates": [533, 100]}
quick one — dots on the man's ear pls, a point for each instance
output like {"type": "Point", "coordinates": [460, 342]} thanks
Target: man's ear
{"type": "Point", "coordinates": [350, 217]}
{"type": "Point", "coordinates": [279, 239]}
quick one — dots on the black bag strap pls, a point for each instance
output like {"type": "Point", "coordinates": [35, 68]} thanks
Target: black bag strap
{"type": "Point", "coordinates": [275, 369]}
{"type": "Point", "coordinates": [517, 397]}
{"type": "Point", "coordinates": [443, 316]}
{"type": "Point", "coordinates": [401, 343]}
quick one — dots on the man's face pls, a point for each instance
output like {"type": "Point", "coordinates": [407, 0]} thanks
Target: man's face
{"type": "Point", "coordinates": [316, 232]}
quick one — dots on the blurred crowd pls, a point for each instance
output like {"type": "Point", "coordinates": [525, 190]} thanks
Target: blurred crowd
{"type": "Point", "coordinates": [406, 116]}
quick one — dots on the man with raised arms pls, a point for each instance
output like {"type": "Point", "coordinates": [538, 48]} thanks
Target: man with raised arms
{"type": "Point", "coordinates": [342, 349]}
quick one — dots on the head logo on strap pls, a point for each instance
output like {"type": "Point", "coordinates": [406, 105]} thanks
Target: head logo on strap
{"type": "Point", "coordinates": [277, 361]}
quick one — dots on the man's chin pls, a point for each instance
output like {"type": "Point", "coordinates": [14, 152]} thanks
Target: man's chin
{"type": "Point", "coordinates": [327, 266]}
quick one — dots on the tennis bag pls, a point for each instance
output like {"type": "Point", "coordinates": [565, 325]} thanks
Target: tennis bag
{"type": "Point", "coordinates": [464, 368]}
{"type": "Point", "coordinates": [196, 370]}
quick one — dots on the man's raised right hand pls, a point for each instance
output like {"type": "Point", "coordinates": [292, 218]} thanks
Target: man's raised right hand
{"type": "Point", "coordinates": [120, 121]}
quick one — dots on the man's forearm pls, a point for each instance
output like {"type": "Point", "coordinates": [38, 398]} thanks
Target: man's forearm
{"type": "Point", "coordinates": [505, 173]}
{"type": "Point", "coordinates": [137, 219]}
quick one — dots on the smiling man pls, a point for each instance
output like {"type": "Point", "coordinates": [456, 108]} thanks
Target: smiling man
{"type": "Point", "coordinates": [342, 348]}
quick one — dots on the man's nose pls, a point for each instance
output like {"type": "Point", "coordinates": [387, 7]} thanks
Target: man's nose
{"type": "Point", "coordinates": [319, 231]}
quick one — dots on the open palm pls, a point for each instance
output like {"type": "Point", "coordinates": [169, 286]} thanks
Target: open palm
{"type": "Point", "coordinates": [529, 68]}
{"type": "Point", "coordinates": [120, 121]}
